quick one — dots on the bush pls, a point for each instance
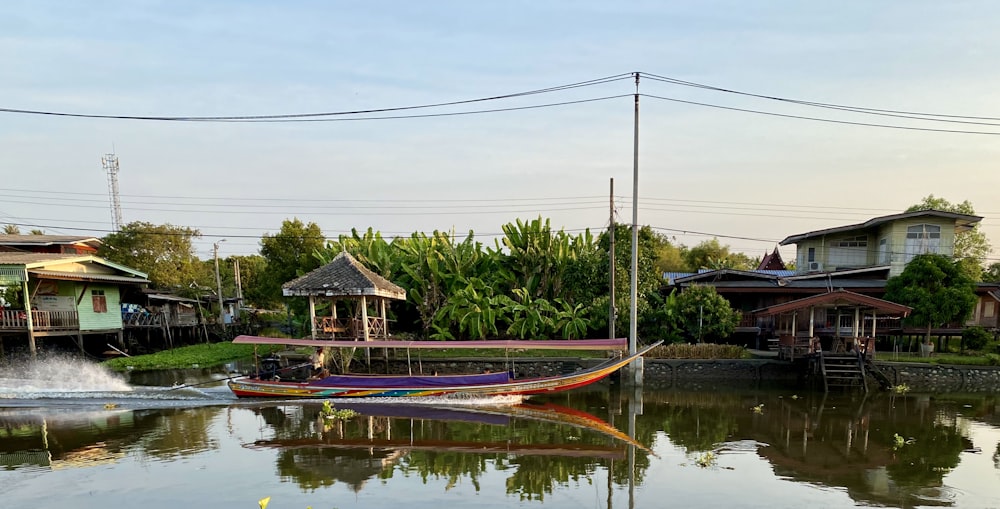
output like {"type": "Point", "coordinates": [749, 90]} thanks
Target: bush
{"type": "Point", "coordinates": [976, 337]}
{"type": "Point", "coordinates": [698, 351]}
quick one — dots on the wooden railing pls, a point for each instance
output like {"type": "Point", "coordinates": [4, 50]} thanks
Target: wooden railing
{"type": "Point", "coordinates": [349, 327]}
{"type": "Point", "coordinates": [12, 319]}
{"type": "Point", "coordinates": [143, 319]}
{"type": "Point", "coordinates": [748, 319]}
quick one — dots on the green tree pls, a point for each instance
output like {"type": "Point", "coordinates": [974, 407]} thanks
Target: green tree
{"type": "Point", "coordinates": [992, 273]}
{"type": "Point", "coordinates": [701, 313]}
{"type": "Point", "coordinates": [252, 270]}
{"type": "Point", "coordinates": [165, 252]}
{"type": "Point", "coordinates": [669, 257]}
{"type": "Point", "coordinates": [711, 254]}
{"type": "Point", "coordinates": [937, 289]}
{"type": "Point", "coordinates": [289, 253]}
{"type": "Point", "coordinates": [649, 278]}
{"type": "Point", "coordinates": [971, 246]}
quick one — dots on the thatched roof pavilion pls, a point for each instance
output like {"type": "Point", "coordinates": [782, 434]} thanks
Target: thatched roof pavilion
{"type": "Point", "coordinates": [347, 281]}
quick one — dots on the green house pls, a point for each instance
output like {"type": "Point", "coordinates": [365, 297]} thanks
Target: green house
{"type": "Point", "coordinates": [72, 295]}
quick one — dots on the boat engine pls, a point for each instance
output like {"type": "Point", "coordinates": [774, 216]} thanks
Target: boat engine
{"type": "Point", "coordinates": [269, 367]}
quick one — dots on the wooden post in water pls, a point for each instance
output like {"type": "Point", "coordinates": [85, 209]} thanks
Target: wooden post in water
{"type": "Point", "coordinates": [27, 314]}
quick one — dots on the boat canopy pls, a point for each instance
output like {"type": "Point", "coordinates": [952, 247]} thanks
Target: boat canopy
{"type": "Point", "coordinates": [619, 344]}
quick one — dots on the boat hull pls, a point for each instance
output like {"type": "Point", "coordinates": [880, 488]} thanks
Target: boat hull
{"type": "Point", "coordinates": [248, 387]}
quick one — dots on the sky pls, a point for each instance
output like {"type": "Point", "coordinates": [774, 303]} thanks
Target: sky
{"type": "Point", "coordinates": [750, 179]}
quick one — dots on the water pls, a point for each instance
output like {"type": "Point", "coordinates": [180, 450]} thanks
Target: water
{"type": "Point", "coordinates": [95, 441]}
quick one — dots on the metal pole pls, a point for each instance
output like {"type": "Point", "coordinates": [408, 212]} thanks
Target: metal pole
{"type": "Point", "coordinates": [633, 315]}
{"type": "Point", "coordinates": [611, 264]}
{"type": "Point", "coordinates": [218, 283]}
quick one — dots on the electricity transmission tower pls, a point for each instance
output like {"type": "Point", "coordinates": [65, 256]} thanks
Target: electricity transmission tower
{"type": "Point", "coordinates": [110, 164]}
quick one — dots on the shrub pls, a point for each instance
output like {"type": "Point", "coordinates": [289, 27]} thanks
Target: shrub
{"type": "Point", "coordinates": [976, 337]}
{"type": "Point", "coordinates": [698, 351]}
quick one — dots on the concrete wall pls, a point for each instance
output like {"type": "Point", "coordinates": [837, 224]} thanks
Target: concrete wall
{"type": "Point", "coordinates": [684, 373]}
{"type": "Point", "coordinates": [937, 378]}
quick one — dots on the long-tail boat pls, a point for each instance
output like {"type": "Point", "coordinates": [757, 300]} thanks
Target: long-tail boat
{"type": "Point", "coordinates": [269, 383]}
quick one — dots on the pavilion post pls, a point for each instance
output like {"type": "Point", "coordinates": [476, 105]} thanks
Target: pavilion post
{"type": "Point", "coordinates": [312, 317]}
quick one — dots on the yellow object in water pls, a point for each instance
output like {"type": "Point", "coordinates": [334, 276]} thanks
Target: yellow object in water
{"type": "Point", "coordinates": [263, 502]}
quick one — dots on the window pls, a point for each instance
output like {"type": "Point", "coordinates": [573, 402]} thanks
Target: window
{"type": "Point", "coordinates": [812, 255]}
{"type": "Point", "coordinates": [921, 239]}
{"type": "Point", "coordinates": [883, 251]}
{"type": "Point", "coordinates": [99, 300]}
{"type": "Point", "coordinates": [859, 241]}
{"type": "Point", "coordinates": [989, 309]}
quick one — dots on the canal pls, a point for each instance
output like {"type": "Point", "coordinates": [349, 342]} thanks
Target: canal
{"type": "Point", "coordinates": [74, 435]}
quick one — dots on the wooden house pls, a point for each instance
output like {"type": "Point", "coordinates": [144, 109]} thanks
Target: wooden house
{"type": "Point", "coordinates": [858, 258]}
{"type": "Point", "coordinates": [70, 295]}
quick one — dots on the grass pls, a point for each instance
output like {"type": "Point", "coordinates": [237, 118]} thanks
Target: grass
{"type": "Point", "coordinates": [949, 358]}
{"type": "Point", "coordinates": [203, 355]}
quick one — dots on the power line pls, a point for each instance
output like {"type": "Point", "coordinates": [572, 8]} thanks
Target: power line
{"type": "Point", "coordinates": [290, 116]}
{"type": "Point", "coordinates": [842, 107]}
{"type": "Point", "coordinates": [818, 119]}
{"type": "Point", "coordinates": [297, 199]}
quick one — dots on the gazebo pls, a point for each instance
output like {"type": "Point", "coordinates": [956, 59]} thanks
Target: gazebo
{"type": "Point", "coordinates": [848, 318]}
{"type": "Point", "coordinates": [350, 286]}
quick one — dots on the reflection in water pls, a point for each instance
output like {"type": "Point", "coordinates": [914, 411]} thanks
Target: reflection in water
{"type": "Point", "coordinates": [539, 445]}
{"type": "Point", "coordinates": [61, 439]}
{"type": "Point", "coordinates": [897, 451]}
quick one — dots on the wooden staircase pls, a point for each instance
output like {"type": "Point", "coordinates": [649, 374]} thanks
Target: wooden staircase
{"type": "Point", "coordinates": [842, 370]}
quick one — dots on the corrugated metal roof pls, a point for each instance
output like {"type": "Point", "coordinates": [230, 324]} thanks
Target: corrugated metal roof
{"type": "Point", "coordinates": [46, 240]}
{"type": "Point", "coordinates": [671, 276]}
{"type": "Point", "coordinates": [15, 258]}
{"type": "Point", "coordinates": [962, 222]}
{"type": "Point", "coordinates": [87, 276]}
{"type": "Point", "coordinates": [343, 276]}
{"type": "Point", "coordinates": [171, 298]}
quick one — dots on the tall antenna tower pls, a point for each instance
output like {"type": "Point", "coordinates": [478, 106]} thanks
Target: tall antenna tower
{"type": "Point", "coordinates": [110, 164]}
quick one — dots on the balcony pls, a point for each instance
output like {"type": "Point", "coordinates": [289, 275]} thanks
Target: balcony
{"type": "Point", "coordinates": [17, 320]}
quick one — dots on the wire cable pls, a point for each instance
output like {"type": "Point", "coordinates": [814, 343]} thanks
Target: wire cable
{"type": "Point", "coordinates": [818, 119]}
{"type": "Point", "coordinates": [857, 109]}
{"type": "Point", "coordinates": [289, 116]}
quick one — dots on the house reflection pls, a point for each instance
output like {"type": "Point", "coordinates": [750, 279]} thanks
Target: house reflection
{"type": "Point", "coordinates": [53, 439]}
{"type": "Point", "coordinates": [886, 449]}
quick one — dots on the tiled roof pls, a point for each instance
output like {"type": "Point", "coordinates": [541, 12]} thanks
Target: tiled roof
{"type": "Point", "coordinates": [838, 298]}
{"type": "Point", "coordinates": [772, 261]}
{"type": "Point", "coordinates": [344, 276]}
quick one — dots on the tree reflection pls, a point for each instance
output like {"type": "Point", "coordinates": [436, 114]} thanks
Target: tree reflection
{"type": "Point", "coordinates": [540, 452]}
{"type": "Point", "coordinates": [178, 433]}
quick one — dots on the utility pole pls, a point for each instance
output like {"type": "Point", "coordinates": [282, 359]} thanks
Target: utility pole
{"type": "Point", "coordinates": [239, 286]}
{"type": "Point", "coordinates": [633, 333]}
{"type": "Point", "coordinates": [218, 283]}
{"type": "Point", "coordinates": [611, 264]}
